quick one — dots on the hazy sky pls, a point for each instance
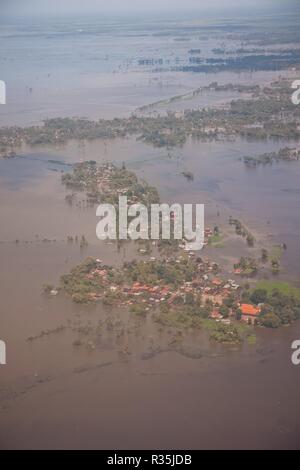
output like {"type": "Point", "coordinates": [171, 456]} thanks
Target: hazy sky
{"type": "Point", "coordinates": [87, 6]}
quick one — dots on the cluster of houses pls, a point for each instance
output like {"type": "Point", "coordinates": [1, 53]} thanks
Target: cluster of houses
{"type": "Point", "coordinates": [249, 313]}
{"type": "Point", "coordinates": [151, 294]}
{"type": "Point", "coordinates": [205, 284]}
{"type": "Point", "coordinates": [103, 176]}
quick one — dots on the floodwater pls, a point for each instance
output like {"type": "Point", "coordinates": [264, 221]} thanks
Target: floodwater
{"type": "Point", "coordinates": [91, 68]}
{"type": "Point", "coordinates": [111, 393]}
{"type": "Point", "coordinates": [56, 395]}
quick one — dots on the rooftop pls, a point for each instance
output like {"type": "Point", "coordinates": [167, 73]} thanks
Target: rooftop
{"type": "Point", "coordinates": [248, 309]}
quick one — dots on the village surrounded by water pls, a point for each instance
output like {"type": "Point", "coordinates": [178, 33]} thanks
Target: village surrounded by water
{"type": "Point", "coordinates": [202, 116]}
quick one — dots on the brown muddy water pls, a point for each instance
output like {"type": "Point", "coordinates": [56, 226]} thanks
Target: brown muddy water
{"type": "Point", "coordinates": [128, 386]}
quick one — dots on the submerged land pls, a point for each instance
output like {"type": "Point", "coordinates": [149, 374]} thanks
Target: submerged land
{"type": "Point", "coordinates": [269, 113]}
{"type": "Point", "coordinates": [182, 289]}
{"type": "Point", "coordinates": [102, 332]}
{"type": "Point", "coordinates": [166, 285]}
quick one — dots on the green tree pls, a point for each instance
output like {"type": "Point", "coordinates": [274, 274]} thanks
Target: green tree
{"type": "Point", "coordinates": [264, 255]}
{"type": "Point", "coordinates": [224, 311]}
{"type": "Point", "coordinates": [238, 314]}
{"type": "Point", "coordinates": [259, 296]}
{"type": "Point", "coordinates": [250, 240]}
{"type": "Point", "coordinates": [270, 320]}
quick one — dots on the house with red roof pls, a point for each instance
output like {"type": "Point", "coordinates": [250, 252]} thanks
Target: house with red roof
{"type": "Point", "coordinates": [249, 312]}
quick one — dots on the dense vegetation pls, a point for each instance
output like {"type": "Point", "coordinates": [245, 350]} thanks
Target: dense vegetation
{"type": "Point", "coordinates": [281, 303]}
{"type": "Point", "coordinates": [269, 113]}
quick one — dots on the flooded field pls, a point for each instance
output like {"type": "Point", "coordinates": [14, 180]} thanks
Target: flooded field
{"type": "Point", "coordinates": [56, 394]}
{"type": "Point", "coordinates": [94, 68]}
{"type": "Point", "coordinates": [94, 376]}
